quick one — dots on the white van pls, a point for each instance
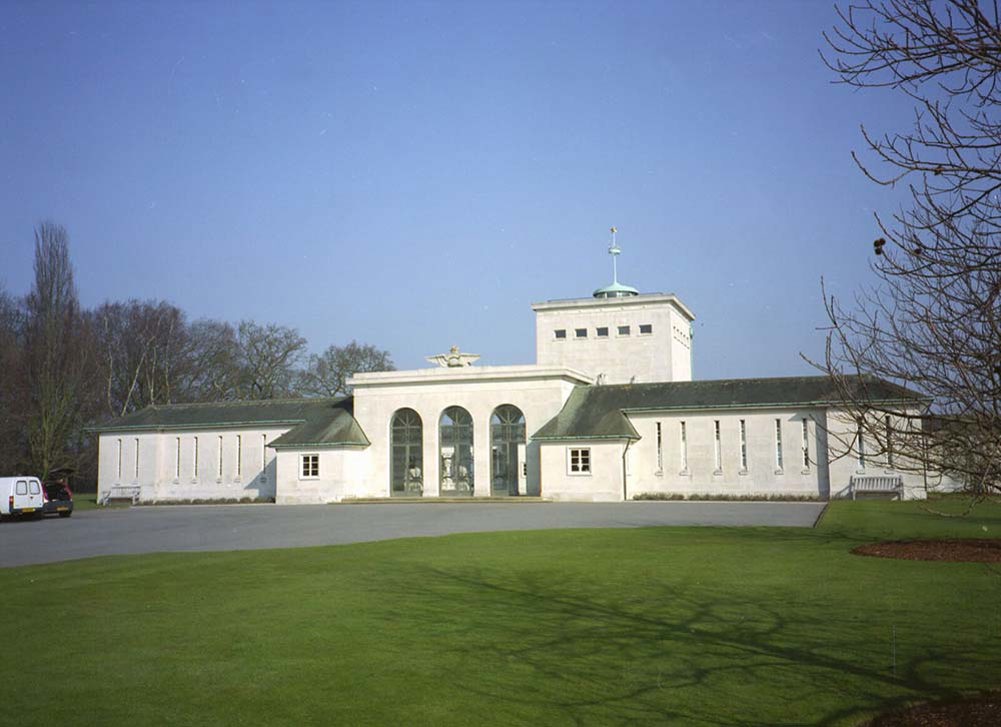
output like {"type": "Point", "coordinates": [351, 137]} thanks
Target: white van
{"type": "Point", "coordinates": [21, 496]}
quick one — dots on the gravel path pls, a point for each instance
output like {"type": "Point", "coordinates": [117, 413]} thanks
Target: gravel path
{"type": "Point", "coordinates": [249, 527]}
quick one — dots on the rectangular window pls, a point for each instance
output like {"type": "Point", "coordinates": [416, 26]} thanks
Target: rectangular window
{"type": "Point", "coordinates": [177, 458]}
{"type": "Point", "coordinates": [560, 334]}
{"type": "Point", "coordinates": [580, 332]}
{"type": "Point", "coordinates": [806, 444]}
{"type": "Point", "coordinates": [861, 449]}
{"type": "Point", "coordinates": [194, 460]}
{"type": "Point", "coordinates": [119, 459]}
{"type": "Point", "coordinates": [889, 443]}
{"type": "Point", "coordinates": [580, 461]}
{"type": "Point", "coordinates": [718, 448]}
{"type": "Point", "coordinates": [264, 456]}
{"type": "Point", "coordinates": [239, 455]}
{"type": "Point", "coordinates": [136, 473]}
{"type": "Point", "coordinates": [684, 447]}
{"type": "Point", "coordinates": [778, 445]}
{"type": "Point", "coordinates": [219, 468]}
{"type": "Point", "coordinates": [660, 450]}
{"type": "Point", "coordinates": [623, 330]}
{"type": "Point", "coordinates": [602, 332]}
{"type": "Point", "coordinates": [646, 329]}
{"type": "Point", "coordinates": [310, 465]}
{"type": "Point", "coordinates": [743, 445]}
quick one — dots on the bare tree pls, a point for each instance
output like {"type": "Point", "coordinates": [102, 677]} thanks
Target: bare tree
{"type": "Point", "coordinates": [56, 351]}
{"type": "Point", "coordinates": [13, 391]}
{"type": "Point", "coordinates": [934, 320]}
{"type": "Point", "coordinates": [327, 373]}
{"type": "Point", "coordinates": [143, 346]}
{"type": "Point", "coordinates": [267, 360]}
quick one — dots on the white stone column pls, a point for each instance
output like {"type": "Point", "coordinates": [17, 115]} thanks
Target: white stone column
{"type": "Point", "coordinates": [430, 454]}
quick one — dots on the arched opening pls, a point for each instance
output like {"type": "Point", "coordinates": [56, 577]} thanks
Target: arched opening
{"type": "Point", "coordinates": [455, 431]}
{"type": "Point", "coordinates": [507, 450]}
{"type": "Point", "coordinates": [406, 454]}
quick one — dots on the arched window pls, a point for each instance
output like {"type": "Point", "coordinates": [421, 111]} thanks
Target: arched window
{"type": "Point", "coordinates": [507, 439]}
{"type": "Point", "coordinates": [455, 431]}
{"type": "Point", "coordinates": [407, 454]}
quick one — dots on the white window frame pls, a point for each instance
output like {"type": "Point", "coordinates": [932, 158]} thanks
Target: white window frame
{"type": "Point", "coordinates": [779, 454]}
{"type": "Point", "coordinates": [660, 449]}
{"type": "Point", "coordinates": [579, 458]}
{"type": "Point", "coordinates": [641, 326]}
{"type": "Point", "coordinates": [743, 445]}
{"type": "Point", "coordinates": [860, 442]}
{"type": "Point", "coordinates": [239, 456]}
{"type": "Point", "coordinates": [619, 331]}
{"type": "Point", "coordinates": [177, 458]}
{"type": "Point", "coordinates": [119, 479]}
{"type": "Point", "coordinates": [806, 444]}
{"type": "Point", "coordinates": [717, 447]}
{"type": "Point", "coordinates": [312, 461]}
{"type": "Point", "coordinates": [218, 471]}
{"type": "Point", "coordinates": [598, 332]}
{"type": "Point", "coordinates": [136, 471]}
{"type": "Point", "coordinates": [194, 460]}
{"type": "Point", "coordinates": [579, 333]}
{"type": "Point", "coordinates": [557, 332]}
{"type": "Point", "coordinates": [264, 457]}
{"type": "Point", "coordinates": [889, 442]}
{"type": "Point", "coordinates": [683, 449]}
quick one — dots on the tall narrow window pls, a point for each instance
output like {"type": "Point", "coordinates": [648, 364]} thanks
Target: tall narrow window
{"type": "Point", "coordinates": [264, 456]}
{"type": "Point", "coordinates": [889, 443]}
{"type": "Point", "coordinates": [219, 467]}
{"type": "Point", "coordinates": [778, 444]}
{"type": "Point", "coordinates": [177, 457]}
{"type": "Point", "coordinates": [806, 443]}
{"type": "Point", "coordinates": [718, 447]}
{"type": "Point", "coordinates": [743, 445]}
{"type": "Point", "coordinates": [137, 458]}
{"type": "Point", "coordinates": [239, 454]}
{"type": "Point", "coordinates": [119, 459]}
{"type": "Point", "coordinates": [660, 450]}
{"type": "Point", "coordinates": [861, 449]}
{"type": "Point", "coordinates": [684, 447]}
{"type": "Point", "coordinates": [194, 460]}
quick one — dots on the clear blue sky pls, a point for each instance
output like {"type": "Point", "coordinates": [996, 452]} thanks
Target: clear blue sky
{"type": "Point", "coordinates": [414, 175]}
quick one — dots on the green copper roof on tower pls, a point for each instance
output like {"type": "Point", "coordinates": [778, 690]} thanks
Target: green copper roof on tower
{"type": "Point", "coordinates": [616, 289]}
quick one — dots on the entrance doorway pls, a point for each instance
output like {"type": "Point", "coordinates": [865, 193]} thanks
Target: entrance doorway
{"type": "Point", "coordinates": [507, 447]}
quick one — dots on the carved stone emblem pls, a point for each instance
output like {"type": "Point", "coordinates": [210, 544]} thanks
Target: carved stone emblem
{"type": "Point", "coordinates": [454, 358]}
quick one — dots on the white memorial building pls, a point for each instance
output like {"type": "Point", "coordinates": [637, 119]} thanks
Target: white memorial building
{"type": "Point", "coordinates": [607, 412]}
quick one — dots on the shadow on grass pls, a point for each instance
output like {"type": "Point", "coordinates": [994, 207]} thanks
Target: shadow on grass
{"type": "Point", "coordinates": [690, 655]}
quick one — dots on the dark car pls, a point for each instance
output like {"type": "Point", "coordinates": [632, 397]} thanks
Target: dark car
{"type": "Point", "coordinates": [58, 497]}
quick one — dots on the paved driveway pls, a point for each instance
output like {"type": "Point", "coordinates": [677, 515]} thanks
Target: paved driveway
{"type": "Point", "coordinates": [248, 527]}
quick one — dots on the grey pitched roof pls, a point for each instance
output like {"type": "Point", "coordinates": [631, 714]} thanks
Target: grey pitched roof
{"type": "Point", "coordinates": [597, 412]}
{"type": "Point", "coordinates": [315, 422]}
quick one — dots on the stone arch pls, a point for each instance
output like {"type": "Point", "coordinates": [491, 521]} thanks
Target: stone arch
{"type": "Point", "coordinates": [455, 453]}
{"type": "Point", "coordinates": [406, 454]}
{"type": "Point", "coordinates": [507, 449]}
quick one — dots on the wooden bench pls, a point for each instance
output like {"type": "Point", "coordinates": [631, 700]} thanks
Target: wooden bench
{"type": "Point", "coordinates": [878, 484]}
{"type": "Point", "coordinates": [122, 492]}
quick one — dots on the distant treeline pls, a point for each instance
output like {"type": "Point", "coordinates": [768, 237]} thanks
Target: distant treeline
{"type": "Point", "coordinates": [64, 368]}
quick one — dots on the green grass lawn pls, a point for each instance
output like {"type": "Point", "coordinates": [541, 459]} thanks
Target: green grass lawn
{"type": "Point", "coordinates": [660, 625]}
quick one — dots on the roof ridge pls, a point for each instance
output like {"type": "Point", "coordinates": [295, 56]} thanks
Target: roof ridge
{"type": "Point", "coordinates": [709, 381]}
{"type": "Point", "coordinates": [248, 402]}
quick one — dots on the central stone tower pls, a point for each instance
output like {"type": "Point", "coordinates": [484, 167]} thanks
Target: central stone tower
{"type": "Point", "coordinates": [619, 335]}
